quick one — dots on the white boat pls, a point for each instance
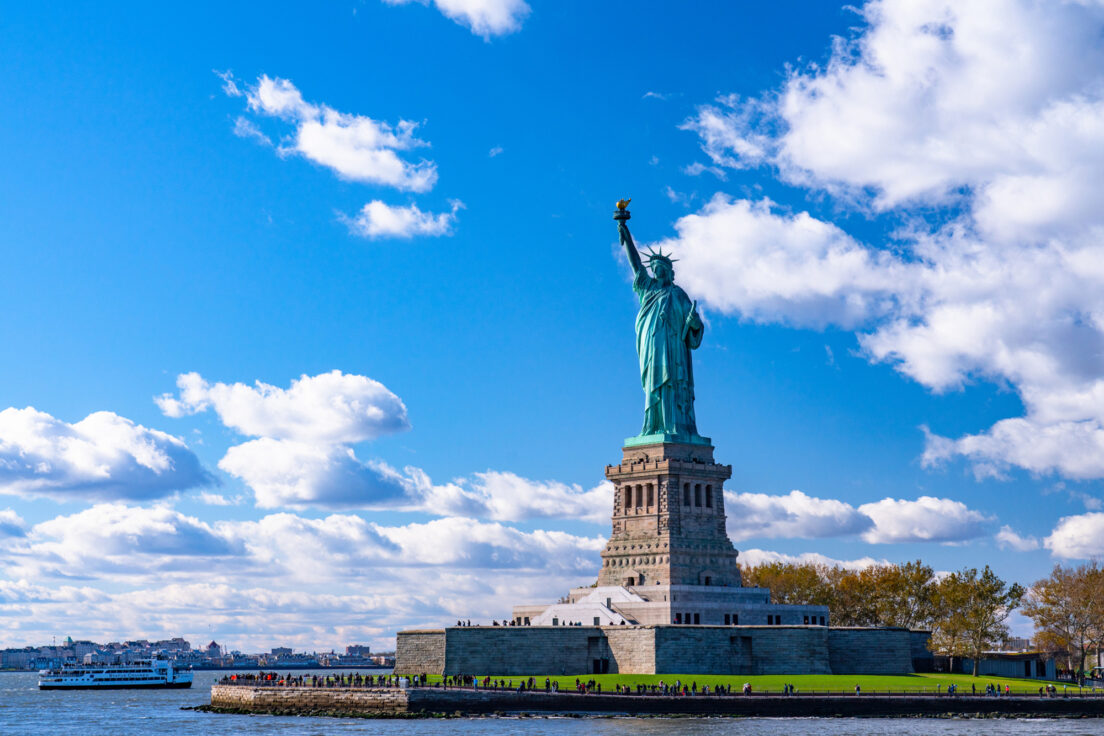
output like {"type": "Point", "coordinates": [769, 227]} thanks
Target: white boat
{"type": "Point", "coordinates": [149, 673]}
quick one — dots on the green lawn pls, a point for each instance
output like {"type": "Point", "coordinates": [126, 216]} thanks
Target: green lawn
{"type": "Point", "coordinates": [918, 683]}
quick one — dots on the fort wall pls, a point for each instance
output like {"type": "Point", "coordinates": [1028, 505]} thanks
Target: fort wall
{"type": "Point", "coordinates": [870, 651]}
{"type": "Point", "coordinates": [577, 650]}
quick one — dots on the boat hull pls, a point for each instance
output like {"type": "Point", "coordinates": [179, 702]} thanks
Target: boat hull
{"type": "Point", "coordinates": [135, 686]}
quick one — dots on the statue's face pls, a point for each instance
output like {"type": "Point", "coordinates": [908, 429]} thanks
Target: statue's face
{"type": "Point", "coordinates": [663, 273]}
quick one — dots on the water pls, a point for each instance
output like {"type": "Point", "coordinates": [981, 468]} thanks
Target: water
{"type": "Point", "coordinates": [26, 710]}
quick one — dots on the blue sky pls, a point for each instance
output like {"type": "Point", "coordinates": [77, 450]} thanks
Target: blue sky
{"type": "Point", "coordinates": [888, 217]}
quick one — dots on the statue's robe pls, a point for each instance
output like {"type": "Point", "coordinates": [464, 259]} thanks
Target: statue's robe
{"type": "Point", "coordinates": [664, 340]}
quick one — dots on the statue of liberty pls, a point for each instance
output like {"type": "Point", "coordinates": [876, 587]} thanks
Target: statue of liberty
{"type": "Point", "coordinates": [668, 327]}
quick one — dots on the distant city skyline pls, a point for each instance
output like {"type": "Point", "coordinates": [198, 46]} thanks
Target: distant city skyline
{"type": "Point", "coordinates": [210, 656]}
{"type": "Point", "coordinates": [317, 327]}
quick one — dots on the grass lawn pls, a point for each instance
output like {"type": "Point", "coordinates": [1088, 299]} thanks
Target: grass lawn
{"type": "Point", "coordinates": [918, 683]}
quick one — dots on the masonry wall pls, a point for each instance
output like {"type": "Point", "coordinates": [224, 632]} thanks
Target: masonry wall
{"type": "Point", "coordinates": [577, 650]}
{"type": "Point", "coordinates": [632, 649]}
{"type": "Point", "coordinates": [787, 650]}
{"type": "Point", "coordinates": [923, 660]}
{"type": "Point", "coordinates": [742, 650]}
{"type": "Point", "coordinates": [507, 650]}
{"type": "Point", "coordinates": [500, 650]}
{"type": "Point", "coordinates": [870, 651]}
{"type": "Point", "coordinates": [420, 651]}
{"type": "Point", "coordinates": [303, 700]}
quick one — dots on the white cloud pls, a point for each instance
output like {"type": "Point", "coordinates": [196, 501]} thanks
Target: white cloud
{"type": "Point", "coordinates": [255, 614]}
{"type": "Point", "coordinates": [229, 84]}
{"type": "Point", "coordinates": [469, 543]}
{"type": "Point", "coordinates": [497, 150]}
{"type": "Point", "coordinates": [281, 98]}
{"type": "Point", "coordinates": [246, 128]}
{"type": "Point", "coordinates": [288, 474]}
{"type": "Point", "coordinates": [380, 220]}
{"type": "Point", "coordinates": [930, 96]}
{"type": "Point", "coordinates": [303, 459]}
{"type": "Point", "coordinates": [927, 519]}
{"type": "Point", "coordinates": [1076, 449]}
{"type": "Point", "coordinates": [977, 125]}
{"type": "Point", "coordinates": [281, 578]}
{"type": "Point", "coordinates": [888, 521]}
{"type": "Point", "coordinates": [22, 591]}
{"type": "Point", "coordinates": [729, 133]}
{"type": "Point", "coordinates": [146, 544]}
{"type": "Point", "coordinates": [11, 524]}
{"type": "Point", "coordinates": [742, 256]}
{"type": "Point", "coordinates": [297, 475]}
{"type": "Point", "coordinates": [796, 514]}
{"type": "Point", "coordinates": [1077, 537]}
{"type": "Point", "coordinates": [331, 407]}
{"type": "Point", "coordinates": [340, 544]}
{"type": "Point", "coordinates": [1008, 538]}
{"type": "Point", "coordinates": [484, 18]}
{"type": "Point", "coordinates": [752, 557]}
{"type": "Point", "coordinates": [677, 197]}
{"type": "Point", "coordinates": [103, 456]}
{"type": "Point", "coordinates": [216, 499]}
{"type": "Point", "coordinates": [355, 147]}
{"type": "Point", "coordinates": [697, 169]}
{"type": "Point", "coordinates": [509, 497]}
{"type": "Point", "coordinates": [302, 456]}
{"type": "Point", "coordinates": [123, 542]}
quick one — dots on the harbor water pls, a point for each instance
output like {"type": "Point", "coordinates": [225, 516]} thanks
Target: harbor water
{"type": "Point", "coordinates": [26, 710]}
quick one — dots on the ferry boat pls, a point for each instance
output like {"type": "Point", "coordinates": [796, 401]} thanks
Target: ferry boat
{"type": "Point", "coordinates": [149, 673]}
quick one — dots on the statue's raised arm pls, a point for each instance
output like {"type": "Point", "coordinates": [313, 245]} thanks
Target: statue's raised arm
{"type": "Point", "coordinates": [630, 247]}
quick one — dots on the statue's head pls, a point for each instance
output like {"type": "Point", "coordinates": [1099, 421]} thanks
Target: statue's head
{"type": "Point", "coordinates": [663, 269]}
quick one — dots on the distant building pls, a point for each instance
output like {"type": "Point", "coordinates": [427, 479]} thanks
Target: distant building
{"type": "Point", "coordinates": [1015, 644]}
{"type": "Point", "coordinates": [281, 651]}
{"type": "Point", "coordinates": [358, 650]}
{"type": "Point", "coordinates": [17, 659]}
{"type": "Point", "coordinates": [83, 648]}
{"type": "Point", "coordinates": [1036, 665]}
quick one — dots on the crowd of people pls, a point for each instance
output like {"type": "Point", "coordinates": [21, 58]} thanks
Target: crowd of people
{"type": "Point", "coordinates": [531, 684]}
{"type": "Point", "coordinates": [352, 679]}
{"type": "Point", "coordinates": [360, 680]}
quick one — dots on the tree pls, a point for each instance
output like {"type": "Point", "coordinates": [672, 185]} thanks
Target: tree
{"type": "Point", "coordinates": [788, 582]}
{"type": "Point", "coordinates": [879, 595]}
{"type": "Point", "coordinates": [902, 594]}
{"type": "Point", "coordinates": [853, 602]}
{"type": "Point", "coordinates": [1068, 611]}
{"type": "Point", "coordinates": [977, 606]}
{"type": "Point", "coordinates": [950, 600]}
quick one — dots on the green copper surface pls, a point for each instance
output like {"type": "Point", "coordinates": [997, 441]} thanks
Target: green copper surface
{"type": "Point", "coordinates": [664, 438]}
{"type": "Point", "coordinates": [668, 327]}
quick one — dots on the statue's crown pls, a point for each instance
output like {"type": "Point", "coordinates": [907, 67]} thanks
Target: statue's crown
{"type": "Point", "coordinates": [660, 256]}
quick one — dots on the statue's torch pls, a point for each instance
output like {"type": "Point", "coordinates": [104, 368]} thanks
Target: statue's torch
{"type": "Point", "coordinates": [622, 213]}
